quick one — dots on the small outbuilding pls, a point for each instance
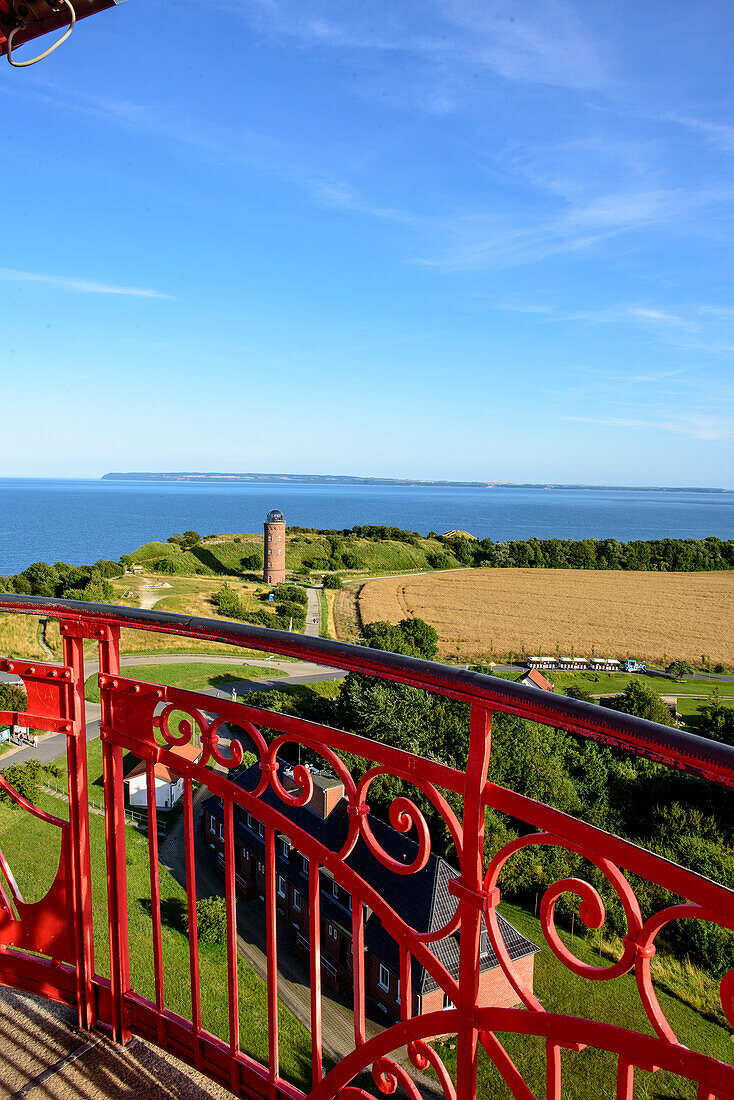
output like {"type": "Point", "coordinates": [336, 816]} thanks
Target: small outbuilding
{"type": "Point", "coordinates": [169, 787]}
{"type": "Point", "coordinates": [536, 679]}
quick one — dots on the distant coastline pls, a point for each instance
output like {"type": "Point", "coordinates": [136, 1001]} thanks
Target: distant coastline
{"type": "Point", "coordinates": [350, 479]}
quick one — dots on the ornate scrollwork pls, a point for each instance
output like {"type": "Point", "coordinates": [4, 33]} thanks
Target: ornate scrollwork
{"type": "Point", "coordinates": [208, 734]}
{"type": "Point", "coordinates": [591, 912]}
{"type": "Point", "coordinates": [404, 814]}
{"type": "Point", "coordinates": [423, 1056]}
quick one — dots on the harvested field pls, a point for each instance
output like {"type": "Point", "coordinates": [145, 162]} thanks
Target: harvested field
{"type": "Point", "coordinates": [487, 613]}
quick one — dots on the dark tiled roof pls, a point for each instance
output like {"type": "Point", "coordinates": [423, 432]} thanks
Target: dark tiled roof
{"type": "Point", "coordinates": [422, 899]}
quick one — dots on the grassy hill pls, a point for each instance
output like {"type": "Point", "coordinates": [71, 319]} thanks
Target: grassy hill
{"type": "Point", "coordinates": [306, 552]}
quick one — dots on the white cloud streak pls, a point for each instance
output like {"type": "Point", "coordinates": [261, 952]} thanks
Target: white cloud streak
{"type": "Point", "coordinates": [696, 426]}
{"type": "Point", "coordinates": [78, 286]}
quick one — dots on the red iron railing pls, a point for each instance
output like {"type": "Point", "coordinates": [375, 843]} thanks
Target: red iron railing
{"type": "Point", "coordinates": [47, 947]}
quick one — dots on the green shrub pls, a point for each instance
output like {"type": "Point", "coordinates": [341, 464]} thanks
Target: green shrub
{"type": "Point", "coordinates": [226, 602]}
{"type": "Point", "coordinates": [26, 778]}
{"type": "Point", "coordinates": [211, 920]}
{"type": "Point", "coordinates": [333, 580]}
{"type": "Point", "coordinates": [291, 593]}
{"type": "Point", "coordinates": [440, 561]}
{"type": "Point", "coordinates": [170, 566]}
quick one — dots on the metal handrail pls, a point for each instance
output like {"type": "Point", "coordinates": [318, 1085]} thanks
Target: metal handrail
{"type": "Point", "coordinates": [698, 755]}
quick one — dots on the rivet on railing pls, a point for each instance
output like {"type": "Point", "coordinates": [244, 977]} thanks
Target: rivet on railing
{"type": "Point", "coordinates": [30, 670]}
{"type": "Point", "coordinates": [103, 681]}
{"type": "Point", "coordinates": [10, 666]}
{"type": "Point", "coordinates": [114, 683]}
{"type": "Point", "coordinates": [136, 689]}
{"type": "Point", "coordinates": [66, 728]}
{"type": "Point", "coordinates": [52, 673]}
{"type": "Point", "coordinates": [159, 695]}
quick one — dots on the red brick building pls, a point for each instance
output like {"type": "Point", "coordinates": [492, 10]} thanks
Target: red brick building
{"type": "Point", "coordinates": [274, 548]}
{"type": "Point", "coordinates": [422, 899]}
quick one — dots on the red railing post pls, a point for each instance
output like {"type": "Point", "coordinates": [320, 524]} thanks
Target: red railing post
{"type": "Point", "coordinates": [468, 889]}
{"type": "Point", "coordinates": [81, 871]}
{"type": "Point", "coordinates": [109, 663]}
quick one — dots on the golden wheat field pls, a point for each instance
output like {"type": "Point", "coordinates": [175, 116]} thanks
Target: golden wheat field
{"type": "Point", "coordinates": [487, 613]}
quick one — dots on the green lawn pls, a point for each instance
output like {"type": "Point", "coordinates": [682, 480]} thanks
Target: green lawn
{"type": "Point", "coordinates": [23, 836]}
{"type": "Point", "coordinates": [196, 676]}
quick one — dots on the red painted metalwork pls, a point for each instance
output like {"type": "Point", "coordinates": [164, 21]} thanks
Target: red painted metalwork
{"type": "Point", "coordinates": [38, 17]}
{"type": "Point", "coordinates": [138, 717]}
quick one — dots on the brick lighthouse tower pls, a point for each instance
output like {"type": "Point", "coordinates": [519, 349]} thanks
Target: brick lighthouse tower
{"type": "Point", "coordinates": [274, 548]}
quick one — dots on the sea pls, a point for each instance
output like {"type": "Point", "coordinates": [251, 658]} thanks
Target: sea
{"type": "Point", "coordinates": [80, 521]}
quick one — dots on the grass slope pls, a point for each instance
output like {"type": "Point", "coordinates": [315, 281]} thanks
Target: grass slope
{"type": "Point", "coordinates": [592, 1073]}
{"type": "Point", "coordinates": [22, 837]}
{"type": "Point", "coordinates": [192, 677]}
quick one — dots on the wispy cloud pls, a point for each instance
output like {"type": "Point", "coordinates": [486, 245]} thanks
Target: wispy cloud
{"type": "Point", "coordinates": [487, 241]}
{"type": "Point", "coordinates": [542, 42]}
{"type": "Point", "coordinates": [695, 426]}
{"type": "Point", "coordinates": [78, 286]}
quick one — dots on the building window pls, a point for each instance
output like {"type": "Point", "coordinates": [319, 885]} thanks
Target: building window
{"type": "Point", "coordinates": [398, 993]}
{"type": "Point", "coordinates": [447, 1002]}
{"type": "Point", "coordinates": [281, 886]}
{"type": "Point", "coordinates": [245, 853]}
{"type": "Point", "coordinates": [384, 978]}
{"type": "Point", "coordinates": [284, 848]}
{"type": "Point", "coordinates": [278, 538]}
{"type": "Point", "coordinates": [270, 538]}
{"type": "Point", "coordinates": [213, 825]}
{"type": "Point", "coordinates": [221, 830]}
{"type": "Point", "coordinates": [261, 828]}
{"type": "Point", "coordinates": [335, 890]}
{"type": "Point", "coordinates": [297, 901]}
{"type": "Point", "coordinates": [305, 865]}
{"type": "Point", "coordinates": [249, 820]}
{"type": "Point", "coordinates": [261, 867]}
{"type": "Point", "coordinates": [280, 551]}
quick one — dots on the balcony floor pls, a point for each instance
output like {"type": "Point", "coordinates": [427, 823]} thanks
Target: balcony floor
{"type": "Point", "coordinates": [43, 1054]}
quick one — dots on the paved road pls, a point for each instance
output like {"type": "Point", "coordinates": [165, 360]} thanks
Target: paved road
{"type": "Point", "coordinates": [313, 613]}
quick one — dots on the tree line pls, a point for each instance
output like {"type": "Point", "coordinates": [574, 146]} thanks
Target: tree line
{"type": "Point", "coordinates": [660, 555]}
{"type": "Point", "coordinates": [68, 582]}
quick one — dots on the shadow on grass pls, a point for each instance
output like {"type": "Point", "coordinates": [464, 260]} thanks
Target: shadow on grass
{"type": "Point", "coordinates": [173, 912]}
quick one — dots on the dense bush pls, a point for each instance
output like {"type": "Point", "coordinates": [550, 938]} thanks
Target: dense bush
{"type": "Point", "coordinates": [169, 566]}
{"type": "Point", "coordinates": [13, 698]}
{"type": "Point", "coordinates": [292, 593]}
{"type": "Point", "coordinates": [441, 561]}
{"type": "Point", "coordinates": [26, 778]}
{"type": "Point", "coordinates": [211, 920]}
{"type": "Point", "coordinates": [641, 701]}
{"type": "Point", "coordinates": [333, 580]}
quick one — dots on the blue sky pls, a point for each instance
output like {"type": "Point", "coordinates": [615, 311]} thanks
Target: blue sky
{"type": "Point", "coordinates": [442, 239]}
